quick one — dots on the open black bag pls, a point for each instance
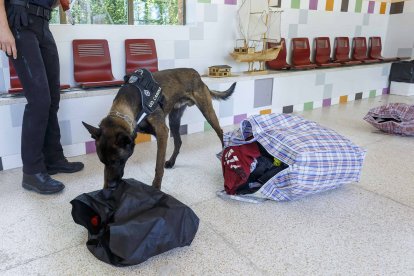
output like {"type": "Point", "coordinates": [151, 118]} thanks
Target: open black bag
{"type": "Point", "coordinates": [133, 222]}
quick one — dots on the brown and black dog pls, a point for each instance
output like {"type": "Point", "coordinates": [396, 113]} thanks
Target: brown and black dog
{"type": "Point", "coordinates": [115, 136]}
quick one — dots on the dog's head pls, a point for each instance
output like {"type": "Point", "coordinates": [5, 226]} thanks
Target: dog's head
{"type": "Point", "coordinates": [114, 145]}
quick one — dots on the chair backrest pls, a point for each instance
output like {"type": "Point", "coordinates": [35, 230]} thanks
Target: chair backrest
{"type": "Point", "coordinates": [300, 51]}
{"type": "Point", "coordinates": [280, 61]}
{"type": "Point", "coordinates": [341, 48]}
{"type": "Point", "coordinates": [14, 79]}
{"type": "Point", "coordinates": [359, 47]}
{"type": "Point", "coordinates": [92, 61]}
{"type": "Point", "coordinates": [140, 53]}
{"type": "Point", "coordinates": [375, 46]}
{"type": "Point", "coordinates": [322, 50]}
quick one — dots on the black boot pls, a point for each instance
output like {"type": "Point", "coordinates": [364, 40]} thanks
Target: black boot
{"type": "Point", "coordinates": [64, 166]}
{"type": "Point", "coordinates": [41, 183]}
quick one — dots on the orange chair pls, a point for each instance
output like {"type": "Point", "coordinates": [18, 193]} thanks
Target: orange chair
{"type": "Point", "coordinates": [140, 53]}
{"type": "Point", "coordinates": [16, 86]}
{"type": "Point", "coordinates": [323, 53]}
{"type": "Point", "coordinates": [375, 49]}
{"type": "Point", "coordinates": [92, 63]}
{"type": "Point", "coordinates": [359, 50]}
{"type": "Point", "coordinates": [280, 61]}
{"type": "Point", "coordinates": [341, 51]}
{"type": "Point", "coordinates": [301, 54]}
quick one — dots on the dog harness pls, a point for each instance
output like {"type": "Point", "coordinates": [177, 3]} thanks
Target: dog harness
{"type": "Point", "coordinates": [151, 95]}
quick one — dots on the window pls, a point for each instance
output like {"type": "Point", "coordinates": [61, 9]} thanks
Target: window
{"type": "Point", "coordinates": [132, 12]}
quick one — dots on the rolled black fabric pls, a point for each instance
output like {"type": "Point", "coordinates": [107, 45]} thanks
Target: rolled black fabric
{"type": "Point", "coordinates": [133, 222]}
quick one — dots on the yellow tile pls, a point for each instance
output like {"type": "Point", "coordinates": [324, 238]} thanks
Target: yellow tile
{"type": "Point", "coordinates": [383, 7]}
{"type": "Point", "coordinates": [329, 5]}
{"type": "Point", "coordinates": [343, 99]}
{"type": "Point", "coordinates": [265, 111]}
{"type": "Point", "coordinates": [141, 138]}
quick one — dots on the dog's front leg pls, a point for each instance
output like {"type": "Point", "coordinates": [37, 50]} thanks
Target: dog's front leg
{"type": "Point", "coordinates": [162, 139]}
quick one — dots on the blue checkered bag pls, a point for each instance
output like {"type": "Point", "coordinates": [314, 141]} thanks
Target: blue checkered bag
{"type": "Point", "coordinates": [319, 158]}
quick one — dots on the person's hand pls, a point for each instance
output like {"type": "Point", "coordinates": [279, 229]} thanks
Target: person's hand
{"type": "Point", "coordinates": [18, 16]}
{"type": "Point", "coordinates": [7, 42]}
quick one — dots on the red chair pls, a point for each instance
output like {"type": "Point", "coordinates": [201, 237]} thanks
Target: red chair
{"type": "Point", "coordinates": [16, 86]}
{"type": "Point", "coordinates": [301, 54]}
{"type": "Point", "coordinates": [375, 49]}
{"type": "Point", "coordinates": [323, 52]}
{"type": "Point", "coordinates": [359, 50]}
{"type": "Point", "coordinates": [92, 63]}
{"type": "Point", "coordinates": [140, 53]}
{"type": "Point", "coordinates": [341, 51]}
{"type": "Point", "coordinates": [280, 61]}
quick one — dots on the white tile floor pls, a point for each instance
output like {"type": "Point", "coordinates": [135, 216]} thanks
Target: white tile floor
{"type": "Point", "coordinates": [365, 228]}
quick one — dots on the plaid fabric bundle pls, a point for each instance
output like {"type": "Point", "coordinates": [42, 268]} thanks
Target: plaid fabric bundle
{"type": "Point", "coordinates": [319, 159]}
{"type": "Point", "coordinates": [395, 118]}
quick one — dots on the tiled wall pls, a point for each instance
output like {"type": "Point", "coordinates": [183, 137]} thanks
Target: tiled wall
{"type": "Point", "coordinates": [211, 30]}
{"type": "Point", "coordinates": [283, 92]}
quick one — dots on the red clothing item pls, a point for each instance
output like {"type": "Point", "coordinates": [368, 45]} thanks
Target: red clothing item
{"type": "Point", "coordinates": [236, 162]}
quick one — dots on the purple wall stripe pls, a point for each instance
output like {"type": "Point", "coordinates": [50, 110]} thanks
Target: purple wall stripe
{"type": "Point", "coordinates": [371, 6]}
{"type": "Point", "coordinates": [326, 102]}
{"type": "Point", "coordinates": [313, 4]}
{"type": "Point", "coordinates": [239, 118]}
{"type": "Point", "coordinates": [385, 91]}
{"type": "Point", "coordinates": [230, 2]}
{"type": "Point", "coordinates": [90, 147]}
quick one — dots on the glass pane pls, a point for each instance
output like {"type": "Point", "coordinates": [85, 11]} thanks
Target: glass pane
{"type": "Point", "coordinates": [158, 12]}
{"type": "Point", "coordinates": [55, 19]}
{"type": "Point", "coordinates": [100, 11]}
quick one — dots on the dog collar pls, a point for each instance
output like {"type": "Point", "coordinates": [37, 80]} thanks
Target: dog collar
{"type": "Point", "coordinates": [124, 117]}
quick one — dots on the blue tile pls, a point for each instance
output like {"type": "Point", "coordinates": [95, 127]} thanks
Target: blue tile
{"type": "Point", "coordinates": [16, 114]}
{"type": "Point", "coordinates": [182, 49]}
{"type": "Point", "coordinates": [197, 33]}
{"type": "Point", "coordinates": [320, 79]}
{"type": "Point", "coordinates": [226, 108]}
{"type": "Point", "coordinates": [293, 30]}
{"type": "Point", "coordinates": [263, 91]}
{"type": "Point", "coordinates": [65, 133]}
{"type": "Point", "coordinates": [327, 91]}
{"type": "Point", "coordinates": [303, 17]}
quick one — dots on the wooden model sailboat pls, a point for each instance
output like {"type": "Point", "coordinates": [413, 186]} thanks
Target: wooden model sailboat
{"type": "Point", "coordinates": [259, 22]}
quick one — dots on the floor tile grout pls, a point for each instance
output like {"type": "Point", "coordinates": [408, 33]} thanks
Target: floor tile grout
{"type": "Point", "coordinates": [358, 186]}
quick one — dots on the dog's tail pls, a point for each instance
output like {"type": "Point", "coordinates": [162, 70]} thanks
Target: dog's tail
{"type": "Point", "coordinates": [218, 95]}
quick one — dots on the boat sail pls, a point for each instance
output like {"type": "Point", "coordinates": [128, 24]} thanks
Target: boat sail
{"type": "Point", "coordinates": [259, 23]}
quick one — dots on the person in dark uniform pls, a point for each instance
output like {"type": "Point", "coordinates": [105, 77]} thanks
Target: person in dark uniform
{"type": "Point", "coordinates": [27, 40]}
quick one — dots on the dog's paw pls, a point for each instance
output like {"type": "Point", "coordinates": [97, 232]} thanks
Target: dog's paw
{"type": "Point", "coordinates": [169, 164]}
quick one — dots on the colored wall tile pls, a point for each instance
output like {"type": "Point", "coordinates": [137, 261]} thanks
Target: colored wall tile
{"type": "Point", "coordinates": [343, 99]}
{"type": "Point", "coordinates": [230, 2]}
{"type": "Point", "coordinates": [313, 4]}
{"type": "Point", "coordinates": [16, 114]}
{"type": "Point", "coordinates": [66, 132]}
{"type": "Point", "coordinates": [141, 138]}
{"type": "Point", "coordinates": [204, 1]}
{"type": "Point", "coordinates": [372, 93]}
{"type": "Point", "coordinates": [397, 8]}
{"type": "Point", "coordinates": [182, 49]}
{"type": "Point", "coordinates": [184, 130]}
{"type": "Point", "coordinates": [308, 106]}
{"type": "Point", "coordinates": [383, 7]}
{"type": "Point", "coordinates": [295, 4]}
{"type": "Point", "coordinates": [327, 91]}
{"type": "Point", "coordinates": [329, 5]}
{"type": "Point", "coordinates": [265, 111]}
{"type": "Point", "coordinates": [358, 6]}
{"type": "Point", "coordinates": [385, 91]}
{"type": "Point", "coordinates": [371, 6]}
{"type": "Point", "coordinates": [211, 13]}
{"type": "Point", "coordinates": [239, 118]}
{"type": "Point", "coordinates": [263, 90]}
{"type": "Point", "coordinates": [90, 147]}
{"type": "Point", "coordinates": [1, 164]}
{"type": "Point", "coordinates": [288, 109]}
{"type": "Point", "coordinates": [344, 5]}
{"type": "Point", "coordinates": [326, 102]}
{"type": "Point", "coordinates": [207, 126]}
{"type": "Point", "coordinates": [358, 96]}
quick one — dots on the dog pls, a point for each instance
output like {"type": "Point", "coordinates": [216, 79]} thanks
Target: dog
{"type": "Point", "coordinates": [115, 136]}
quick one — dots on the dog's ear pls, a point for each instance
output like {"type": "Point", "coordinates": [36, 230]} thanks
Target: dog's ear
{"type": "Point", "coordinates": [126, 78]}
{"type": "Point", "coordinates": [94, 131]}
{"type": "Point", "coordinates": [123, 140]}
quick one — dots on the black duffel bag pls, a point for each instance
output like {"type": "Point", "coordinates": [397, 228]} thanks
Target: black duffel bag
{"type": "Point", "coordinates": [402, 71]}
{"type": "Point", "coordinates": [133, 222]}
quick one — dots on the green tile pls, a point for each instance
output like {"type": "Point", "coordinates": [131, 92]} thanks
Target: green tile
{"type": "Point", "coordinates": [207, 126]}
{"type": "Point", "coordinates": [204, 1]}
{"type": "Point", "coordinates": [295, 4]}
{"type": "Point", "coordinates": [358, 6]}
{"type": "Point", "coordinates": [372, 93]}
{"type": "Point", "coordinates": [308, 106]}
